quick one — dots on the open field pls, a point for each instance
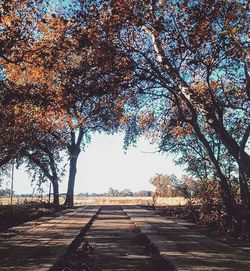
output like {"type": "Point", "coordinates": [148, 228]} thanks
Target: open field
{"type": "Point", "coordinates": [21, 200]}
{"type": "Point", "coordinates": [129, 201]}
{"type": "Point", "coordinates": [103, 200]}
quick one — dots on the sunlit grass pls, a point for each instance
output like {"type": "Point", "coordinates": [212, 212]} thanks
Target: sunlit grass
{"type": "Point", "coordinates": [102, 200]}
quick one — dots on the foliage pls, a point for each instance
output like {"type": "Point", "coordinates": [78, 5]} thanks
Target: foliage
{"type": "Point", "coordinates": [113, 192]}
{"type": "Point", "coordinates": [176, 71]}
{"type": "Point", "coordinates": [116, 193]}
{"type": "Point", "coordinates": [143, 193]}
{"type": "Point", "coordinates": [60, 62]}
{"type": "Point", "coordinates": [5, 192]}
{"type": "Point", "coordinates": [126, 193]}
{"type": "Point", "coordinates": [191, 71]}
{"type": "Point", "coordinates": [165, 186]}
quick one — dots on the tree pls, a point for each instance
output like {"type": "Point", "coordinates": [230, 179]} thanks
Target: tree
{"type": "Point", "coordinates": [69, 64]}
{"type": "Point", "coordinates": [19, 103]}
{"type": "Point", "coordinates": [5, 192]}
{"type": "Point", "coordinates": [126, 193]}
{"type": "Point", "coordinates": [165, 186]}
{"type": "Point", "coordinates": [172, 66]}
{"type": "Point", "coordinates": [44, 162]}
{"type": "Point", "coordinates": [192, 154]}
{"type": "Point", "coordinates": [143, 193]}
{"type": "Point", "coordinates": [193, 61]}
{"type": "Point", "coordinates": [191, 188]}
{"type": "Point", "coordinates": [113, 192]}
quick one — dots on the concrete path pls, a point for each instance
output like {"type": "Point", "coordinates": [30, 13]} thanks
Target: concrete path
{"type": "Point", "coordinates": [38, 246]}
{"type": "Point", "coordinates": [117, 246]}
{"type": "Point", "coordinates": [184, 248]}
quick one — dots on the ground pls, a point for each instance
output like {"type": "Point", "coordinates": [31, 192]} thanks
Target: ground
{"type": "Point", "coordinates": [123, 238]}
{"type": "Point", "coordinates": [14, 215]}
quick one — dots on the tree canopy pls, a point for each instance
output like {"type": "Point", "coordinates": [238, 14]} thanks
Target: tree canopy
{"type": "Point", "coordinates": [175, 71]}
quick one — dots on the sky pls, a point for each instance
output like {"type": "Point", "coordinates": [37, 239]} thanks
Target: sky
{"type": "Point", "coordinates": [104, 164]}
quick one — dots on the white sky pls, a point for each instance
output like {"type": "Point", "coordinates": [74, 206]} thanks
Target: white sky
{"type": "Point", "coordinates": [104, 164]}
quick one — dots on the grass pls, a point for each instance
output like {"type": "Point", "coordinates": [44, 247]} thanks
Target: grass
{"type": "Point", "coordinates": [101, 200]}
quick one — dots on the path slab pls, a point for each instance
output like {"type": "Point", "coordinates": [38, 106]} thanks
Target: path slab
{"type": "Point", "coordinates": [184, 248]}
{"type": "Point", "coordinates": [41, 246]}
{"type": "Point", "coordinates": [116, 244]}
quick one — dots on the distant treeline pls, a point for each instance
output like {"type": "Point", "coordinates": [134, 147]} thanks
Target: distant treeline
{"type": "Point", "coordinates": [111, 193]}
{"type": "Point", "coordinates": [5, 192]}
{"type": "Point", "coordinates": [116, 193]}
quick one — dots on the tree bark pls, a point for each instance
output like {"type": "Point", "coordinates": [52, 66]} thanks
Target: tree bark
{"type": "Point", "coordinates": [55, 192]}
{"type": "Point", "coordinates": [226, 193]}
{"type": "Point", "coordinates": [69, 201]}
{"type": "Point", "coordinates": [237, 151]}
{"type": "Point", "coordinates": [242, 158]}
{"type": "Point", "coordinates": [244, 190]}
{"type": "Point", "coordinates": [74, 150]}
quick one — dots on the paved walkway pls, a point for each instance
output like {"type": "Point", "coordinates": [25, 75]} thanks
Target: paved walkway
{"type": "Point", "coordinates": [117, 246]}
{"type": "Point", "coordinates": [186, 249]}
{"type": "Point", "coordinates": [38, 246]}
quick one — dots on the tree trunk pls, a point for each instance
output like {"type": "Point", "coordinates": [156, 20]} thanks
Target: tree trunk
{"type": "Point", "coordinates": [69, 201]}
{"type": "Point", "coordinates": [74, 151]}
{"type": "Point", "coordinates": [55, 192]}
{"type": "Point", "coordinates": [228, 199]}
{"type": "Point", "coordinates": [242, 158]}
{"type": "Point", "coordinates": [244, 190]}
{"type": "Point", "coordinates": [226, 193]}
{"type": "Point", "coordinates": [244, 163]}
